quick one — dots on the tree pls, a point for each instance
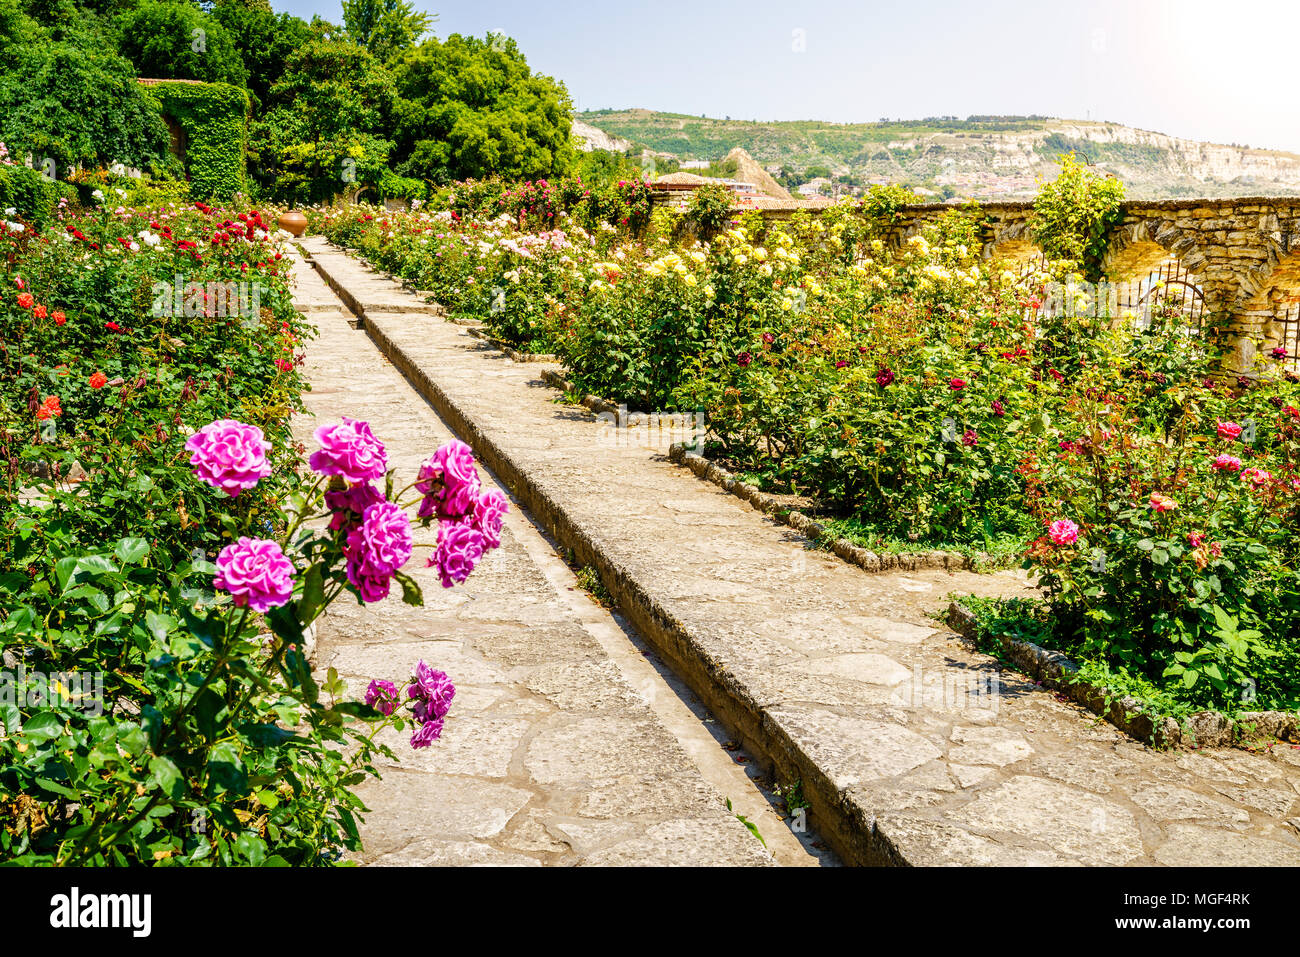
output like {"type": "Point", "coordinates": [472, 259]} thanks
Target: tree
{"type": "Point", "coordinates": [265, 40]}
{"type": "Point", "coordinates": [470, 108]}
{"type": "Point", "coordinates": [73, 99]}
{"type": "Point", "coordinates": [385, 27]}
{"type": "Point", "coordinates": [176, 41]}
{"type": "Point", "coordinates": [322, 134]}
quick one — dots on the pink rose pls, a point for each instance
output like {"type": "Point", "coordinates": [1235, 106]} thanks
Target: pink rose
{"type": "Point", "coordinates": [427, 733]}
{"type": "Point", "coordinates": [1063, 532]}
{"type": "Point", "coordinates": [1229, 430]}
{"type": "Point", "coordinates": [370, 587]}
{"type": "Point", "coordinates": [1162, 503]}
{"type": "Point", "coordinates": [382, 544]}
{"type": "Point", "coordinates": [1256, 477]}
{"type": "Point", "coordinates": [349, 449]}
{"type": "Point", "coordinates": [432, 690]}
{"type": "Point", "coordinates": [449, 482]}
{"type": "Point", "coordinates": [1227, 463]}
{"type": "Point", "coordinates": [256, 573]}
{"type": "Point", "coordinates": [489, 508]}
{"type": "Point", "coordinates": [956, 385]}
{"type": "Point", "coordinates": [229, 455]}
{"type": "Point", "coordinates": [459, 549]}
{"type": "Point", "coordinates": [349, 505]}
{"type": "Point", "coordinates": [382, 696]}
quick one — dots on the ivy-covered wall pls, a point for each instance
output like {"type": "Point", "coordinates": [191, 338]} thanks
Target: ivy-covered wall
{"type": "Point", "coordinates": [214, 117]}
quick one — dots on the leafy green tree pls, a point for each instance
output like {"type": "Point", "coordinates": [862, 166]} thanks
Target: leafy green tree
{"type": "Point", "coordinates": [385, 27]}
{"type": "Point", "coordinates": [1074, 214]}
{"type": "Point", "coordinates": [72, 99]}
{"type": "Point", "coordinates": [322, 133]}
{"type": "Point", "coordinates": [470, 108]}
{"type": "Point", "coordinates": [265, 40]}
{"type": "Point", "coordinates": [172, 40]}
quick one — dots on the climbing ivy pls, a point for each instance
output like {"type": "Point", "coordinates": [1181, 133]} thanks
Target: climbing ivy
{"type": "Point", "coordinates": [214, 117]}
{"type": "Point", "coordinates": [1074, 214]}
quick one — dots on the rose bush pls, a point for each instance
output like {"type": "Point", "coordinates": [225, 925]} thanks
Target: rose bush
{"type": "Point", "coordinates": [163, 556]}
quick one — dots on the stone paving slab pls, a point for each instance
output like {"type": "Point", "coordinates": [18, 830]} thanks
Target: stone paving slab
{"type": "Point", "coordinates": [834, 677]}
{"type": "Point", "coordinates": [556, 750]}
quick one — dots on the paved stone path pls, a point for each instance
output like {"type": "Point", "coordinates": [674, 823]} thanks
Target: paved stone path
{"type": "Point", "coordinates": [563, 744]}
{"type": "Point", "coordinates": [828, 673]}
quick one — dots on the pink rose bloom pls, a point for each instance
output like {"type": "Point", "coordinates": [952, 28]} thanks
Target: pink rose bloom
{"type": "Point", "coordinates": [371, 588]}
{"type": "Point", "coordinates": [956, 385]}
{"type": "Point", "coordinates": [1195, 539]}
{"type": "Point", "coordinates": [229, 455]}
{"type": "Point", "coordinates": [432, 690]}
{"type": "Point", "coordinates": [1256, 477]}
{"type": "Point", "coordinates": [449, 482]}
{"type": "Point", "coordinates": [350, 504]}
{"type": "Point", "coordinates": [349, 449]}
{"type": "Point", "coordinates": [1229, 430]}
{"type": "Point", "coordinates": [1227, 463]}
{"type": "Point", "coordinates": [1162, 503]}
{"type": "Point", "coordinates": [459, 549]}
{"type": "Point", "coordinates": [382, 696]}
{"type": "Point", "coordinates": [489, 508]}
{"type": "Point", "coordinates": [970, 438]}
{"type": "Point", "coordinates": [427, 733]}
{"type": "Point", "coordinates": [256, 573]}
{"type": "Point", "coordinates": [1063, 532]}
{"type": "Point", "coordinates": [382, 544]}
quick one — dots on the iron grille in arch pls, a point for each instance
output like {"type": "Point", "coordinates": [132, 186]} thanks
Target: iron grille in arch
{"type": "Point", "coordinates": [1171, 282]}
{"type": "Point", "coordinates": [1289, 315]}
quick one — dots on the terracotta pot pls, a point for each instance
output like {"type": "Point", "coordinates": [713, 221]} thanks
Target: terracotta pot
{"type": "Point", "coordinates": [293, 222]}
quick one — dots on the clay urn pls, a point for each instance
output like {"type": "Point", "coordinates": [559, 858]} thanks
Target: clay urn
{"type": "Point", "coordinates": [293, 222]}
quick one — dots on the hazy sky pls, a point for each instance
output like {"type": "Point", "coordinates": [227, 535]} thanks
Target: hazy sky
{"type": "Point", "coordinates": [1220, 70]}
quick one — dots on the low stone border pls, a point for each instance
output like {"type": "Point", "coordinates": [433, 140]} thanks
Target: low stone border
{"type": "Point", "coordinates": [865, 559]}
{"type": "Point", "coordinates": [479, 332]}
{"type": "Point", "coordinates": [1202, 729]}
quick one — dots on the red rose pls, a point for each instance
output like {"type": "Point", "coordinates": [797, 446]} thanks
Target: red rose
{"type": "Point", "coordinates": [25, 300]}
{"type": "Point", "coordinates": [956, 385]}
{"type": "Point", "coordinates": [98, 380]}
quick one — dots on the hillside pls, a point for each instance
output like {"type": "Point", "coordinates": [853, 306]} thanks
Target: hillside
{"type": "Point", "coordinates": [984, 157]}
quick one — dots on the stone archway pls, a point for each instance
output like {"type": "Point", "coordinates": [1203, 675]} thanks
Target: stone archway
{"type": "Point", "coordinates": [1268, 309]}
{"type": "Point", "coordinates": [1148, 258]}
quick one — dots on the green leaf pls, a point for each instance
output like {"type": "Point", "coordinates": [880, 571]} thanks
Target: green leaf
{"type": "Point", "coordinates": [164, 774]}
{"type": "Point", "coordinates": [43, 727]}
{"type": "Point", "coordinates": [411, 593]}
{"type": "Point", "coordinates": [131, 550]}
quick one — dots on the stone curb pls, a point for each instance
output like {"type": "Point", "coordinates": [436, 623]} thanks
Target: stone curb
{"type": "Point", "coordinates": [863, 558]}
{"type": "Point", "coordinates": [1202, 729]}
{"type": "Point", "coordinates": [479, 332]}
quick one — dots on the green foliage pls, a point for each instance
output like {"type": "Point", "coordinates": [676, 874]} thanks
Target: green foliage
{"type": "Point", "coordinates": [33, 196]}
{"type": "Point", "coordinates": [385, 27]}
{"type": "Point", "coordinates": [214, 117]}
{"type": "Point", "coordinates": [72, 99]}
{"type": "Point", "coordinates": [265, 41]}
{"type": "Point", "coordinates": [711, 210]}
{"type": "Point", "coordinates": [470, 108]}
{"type": "Point", "coordinates": [1074, 214]}
{"type": "Point", "coordinates": [174, 40]}
{"type": "Point", "coordinates": [320, 137]}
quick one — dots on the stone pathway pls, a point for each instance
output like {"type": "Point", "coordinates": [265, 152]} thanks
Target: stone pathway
{"type": "Point", "coordinates": [831, 675]}
{"type": "Point", "coordinates": [564, 745]}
